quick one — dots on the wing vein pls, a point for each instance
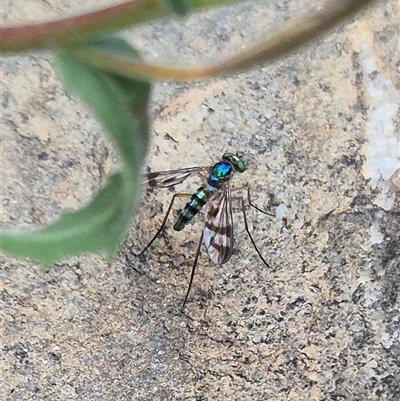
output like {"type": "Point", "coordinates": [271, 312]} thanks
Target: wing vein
{"type": "Point", "coordinates": [170, 178]}
{"type": "Point", "coordinates": [218, 228]}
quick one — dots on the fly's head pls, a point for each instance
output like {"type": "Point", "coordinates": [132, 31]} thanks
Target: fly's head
{"type": "Point", "coordinates": [236, 161]}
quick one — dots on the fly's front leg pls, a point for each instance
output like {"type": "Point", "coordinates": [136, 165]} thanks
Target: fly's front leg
{"type": "Point", "coordinates": [246, 226]}
{"type": "Point", "coordinates": [254, 206]}
{"type": "Point", "coordinates": [247, 188]}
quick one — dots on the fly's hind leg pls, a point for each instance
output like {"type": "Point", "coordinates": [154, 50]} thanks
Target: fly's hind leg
{"type": "Point", "coordinates": [126, 255]}
{"type": "Point", "coordinates": [196, 258]}
{"type": "Point", "coordinates": [179, 195]}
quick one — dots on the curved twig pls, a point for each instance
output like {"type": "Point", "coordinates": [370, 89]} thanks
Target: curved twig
{"type": "Point", "coordinates": [295, 34]}
{"type": "Point", "coordinates": [59, 33]}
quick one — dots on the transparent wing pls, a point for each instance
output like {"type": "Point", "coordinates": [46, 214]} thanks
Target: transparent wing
{"type": "Point", "coordinates": [165, 179]}
{"type": "Point", "coordinates": [218, 227]}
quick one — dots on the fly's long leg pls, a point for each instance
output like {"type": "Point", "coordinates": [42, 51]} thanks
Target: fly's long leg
{"type": "Point", "coordinates": [253, 205]}
{"type": "Point", "coordinates": [180, 195]}
{"type": "Point", "coordinates": [247, 188]}
{"type": "Point", "coordinates": [246, 226]}
{"type": "Point", "coordinates": [196, 258]}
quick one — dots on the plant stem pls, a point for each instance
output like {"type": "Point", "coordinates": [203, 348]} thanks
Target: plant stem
{"type": "Point", "coordinates": [295, 34]}
{"type": "Point", "coordinates": [64, 32]}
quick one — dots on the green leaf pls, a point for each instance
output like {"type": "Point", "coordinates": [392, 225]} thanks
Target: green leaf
{"type": "Point", "coordinates": [179, 7]}
{"type": "Point", "coordinates": [95, 227]}
{"type": "Point", "coordinates": [121, 105]}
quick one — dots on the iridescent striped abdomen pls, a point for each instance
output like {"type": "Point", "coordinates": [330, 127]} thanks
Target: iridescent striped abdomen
{"type": "Point", "coordinates": [196, 202]}
{"type": "Point", "coordinates": [221, 173]}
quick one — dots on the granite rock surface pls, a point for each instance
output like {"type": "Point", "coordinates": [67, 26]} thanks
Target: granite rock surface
{"type": "Point", "coordinates": [320, 134]}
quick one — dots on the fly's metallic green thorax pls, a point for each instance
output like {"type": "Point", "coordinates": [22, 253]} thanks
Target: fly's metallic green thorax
{"type": "Point", "coordinates": [224, 170]}
{"type": "Point", "coordinates": [220, 173]}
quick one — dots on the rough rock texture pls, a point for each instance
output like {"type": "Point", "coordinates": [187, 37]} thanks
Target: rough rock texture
{"type": "Point", "coordinates": [320, 131]}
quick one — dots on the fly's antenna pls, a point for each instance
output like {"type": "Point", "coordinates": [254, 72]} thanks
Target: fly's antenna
{"type": "Point", "coordinates": [240, 154]}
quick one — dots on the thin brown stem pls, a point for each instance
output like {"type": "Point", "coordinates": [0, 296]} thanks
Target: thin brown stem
{"type": "Point", "coordinates": [55, 33]}
{"type": "Point", "coordinates": [66, 31]}
{"type": "Point", "coordinates": [295, 34]}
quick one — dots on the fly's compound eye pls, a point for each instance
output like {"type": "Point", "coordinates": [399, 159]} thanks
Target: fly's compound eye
{"type": "Point", "coordinates": [240, 166]}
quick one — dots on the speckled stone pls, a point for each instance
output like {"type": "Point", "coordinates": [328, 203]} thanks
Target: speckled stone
{"type": "Point", "coordinates": [319, 130]}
